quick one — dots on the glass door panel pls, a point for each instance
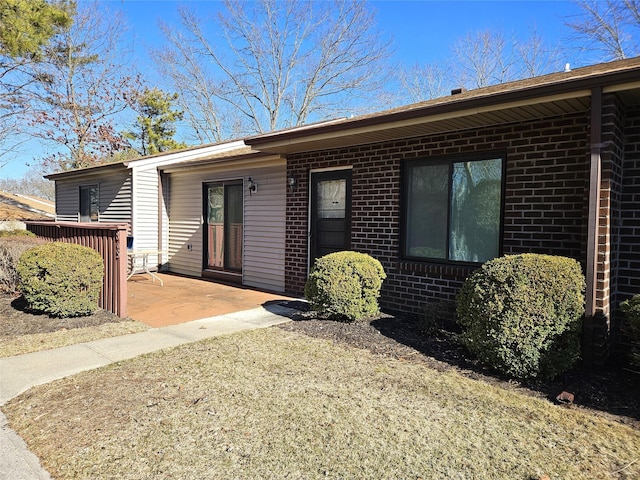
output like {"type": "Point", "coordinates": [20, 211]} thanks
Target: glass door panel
{"type": "Point", "coordinates": [215, 229]}
{"type": "Point", "coordinates": [233, 236]}
{"type": "Point", "coordinates": [224, 226]}
{"type": "Point", "coordinates": [332, 198]}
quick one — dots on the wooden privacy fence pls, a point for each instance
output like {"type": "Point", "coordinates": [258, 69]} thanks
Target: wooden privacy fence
{"type": "Point", "coordinates": [110, 241]}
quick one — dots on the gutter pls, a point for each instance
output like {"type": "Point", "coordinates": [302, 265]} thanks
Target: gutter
{"type": "Point", "coordinates": [454, 107]}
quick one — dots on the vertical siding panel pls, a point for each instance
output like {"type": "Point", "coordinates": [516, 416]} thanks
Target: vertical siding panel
{"type": "Point", "coordinates": [145, 213]}
{"type": "Point", "coordinates": [164, 212]}
{"type": "Point", "coordinates": [185, 224]}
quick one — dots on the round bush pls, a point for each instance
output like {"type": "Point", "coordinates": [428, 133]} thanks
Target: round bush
{"type": "Point", "coordinates": [61, 279]}
{"type": "Point", "coordinates": [522, 314]}
{"type": "Point", "coordinates": [345, 285]}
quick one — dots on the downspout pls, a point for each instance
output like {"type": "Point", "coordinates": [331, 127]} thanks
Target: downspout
{"type": "Point", "coordinates": [591, 273]}
{"type": "Point", "coordinates": [594, 202]}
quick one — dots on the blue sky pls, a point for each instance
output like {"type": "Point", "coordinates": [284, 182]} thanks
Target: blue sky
{"type": "Point", "coordinates": [423, 31]}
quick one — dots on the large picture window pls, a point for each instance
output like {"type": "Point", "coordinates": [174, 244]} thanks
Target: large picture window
{"type": "Point", "coordinates": [452, 209]}
{"type": "Point", "coordinates": [89, 205]}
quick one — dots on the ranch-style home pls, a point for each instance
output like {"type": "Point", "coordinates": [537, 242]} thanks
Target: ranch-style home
{"type": "Point", "coordinates": [547, 165]}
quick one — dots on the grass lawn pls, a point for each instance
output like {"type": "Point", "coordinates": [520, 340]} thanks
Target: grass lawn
{"type": "Point", "coordinates": [276, 404]}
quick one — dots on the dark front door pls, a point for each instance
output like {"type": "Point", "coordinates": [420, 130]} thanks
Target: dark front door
{"type": "Point", "coordinates": [330, 212]}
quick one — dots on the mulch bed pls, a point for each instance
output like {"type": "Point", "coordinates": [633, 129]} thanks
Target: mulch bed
{"type": "Point", "coordinates": [16, 319]}
{"type": "Point", "coordinates": [612, 393]}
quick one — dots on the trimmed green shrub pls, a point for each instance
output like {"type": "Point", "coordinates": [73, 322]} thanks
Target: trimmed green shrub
{"type": "Point", "coordinates": [522, 314]}
{"type": "Point", "coordinates": [631, 310]}
{"type": "Point", "coordinates": [345, 285]}
{"type": "Point", "coordinates": [61, 279]}
{"type": "Point", "coordinates": [11, 247]}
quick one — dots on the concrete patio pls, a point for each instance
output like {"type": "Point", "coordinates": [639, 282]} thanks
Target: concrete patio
{"type": "Point", "coordinates": [183, 299]}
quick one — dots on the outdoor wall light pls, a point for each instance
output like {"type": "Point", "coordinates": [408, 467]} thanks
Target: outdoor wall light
{"type": "Point", "coordinates": [292, 182]}
{"type": "Point", "coordinates": [253, 186]}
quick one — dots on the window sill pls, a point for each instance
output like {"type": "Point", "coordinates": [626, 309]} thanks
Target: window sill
{"type": "Point", "coordinates": [440, 269]}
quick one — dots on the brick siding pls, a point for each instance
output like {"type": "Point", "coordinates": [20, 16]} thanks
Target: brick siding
{"type": "Point", "coordinates": [612, 153]}
{"type": "Point", "coordinates": [629, 257]}
{"type": "Point", "coordinates": [627, 272]}
{"type": "Point", "coordinates": [544, 209]}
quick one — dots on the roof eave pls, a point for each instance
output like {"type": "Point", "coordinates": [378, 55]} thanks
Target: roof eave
{"type": "Point", "coordinates": [567, 88]}
{"type": "Point", "coordinates": [86, 171]}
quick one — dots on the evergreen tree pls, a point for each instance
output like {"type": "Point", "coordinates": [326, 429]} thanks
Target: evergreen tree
{"type": "Point", "coordinates": [155, 126]}
{"type": "Point", "coordinates": [27, 25]}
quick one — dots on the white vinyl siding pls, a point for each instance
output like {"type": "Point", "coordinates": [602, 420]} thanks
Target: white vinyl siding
{"type": "Point", "coordinates": [145, 208]}
{"type": "Point", "coordinates": [185, 224]}
{"type": "Point", "coordinates": [264, 238]}
{"type": "Point", "coordinates": [164, 216]}
{"type": "Point", "coordinates": [264, 223]}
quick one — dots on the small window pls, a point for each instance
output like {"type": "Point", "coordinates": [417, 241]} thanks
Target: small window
{"type": "Point", "coordinates": [89, 203]}
{"type": "Point", "coordinates": [452, 209]}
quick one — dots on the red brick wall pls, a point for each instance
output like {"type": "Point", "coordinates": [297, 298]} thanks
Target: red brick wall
{"type": "Point", "coordinates": [546, 185]}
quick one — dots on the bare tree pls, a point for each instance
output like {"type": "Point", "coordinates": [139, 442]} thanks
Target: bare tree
{"type": "Point", "coordinates": [478, 59]}
{"type": "Point", "coordinates": [199, 94]}
{"type": "Point", "coordinates": [423, 82]}
{"type": "Point", "coordinates": [482, 59]}
{"type": "Point", "coordinates": [25, 28]}
{"type": "Point", "coordinates": [12, 104]}
{"type": "Point", "coordinates": [608, 26]}
{"type": "Point", "coordinates": [32, 183]}
{"type": "Point", "coordinates": [285, 62]}
{"type": "Point", "coordinates": [82, 87]}
{"type": "Point", "coordinates": [490, 57]}
{"type": "Point", "coordinates": [535, 57]}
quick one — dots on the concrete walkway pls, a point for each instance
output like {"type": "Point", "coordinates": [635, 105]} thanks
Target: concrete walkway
{"type": "Point", "coordinates": [19, 373]}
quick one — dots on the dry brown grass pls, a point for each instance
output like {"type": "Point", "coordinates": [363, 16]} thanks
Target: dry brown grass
{"type": "Point", "coordinates": [18, 345]}
{"type": "Point", "coordinates": [276, 404]}
{"type": "Point", "coordinates": [22, 331]}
